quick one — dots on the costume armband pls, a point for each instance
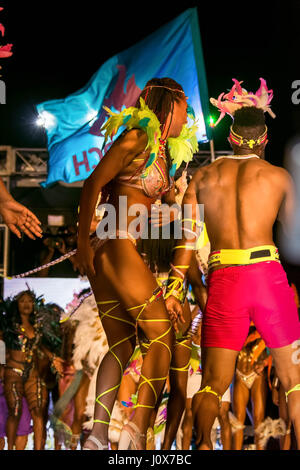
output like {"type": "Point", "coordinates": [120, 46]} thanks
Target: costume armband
{"type": "Point", "coordinates": [194, 325]}
{"type": "Point", "coordinates": [185, 247]}
{"type": "Point", "coordinates": [194, 222]}
{"type": "Point", "coordinates": [196, 229]}
{"type": "Point", "coordinates": [175, 288]}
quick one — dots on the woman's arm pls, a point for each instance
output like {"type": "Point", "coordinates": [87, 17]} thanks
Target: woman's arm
{"type": "Point", "coordinates": [57, 363]}
{"type": "Point", "coordinates": [118, 157]}
{"type": "Point", "coordinates": [162, 214]}
{"type": "Point", "coordinates": [169, 197]}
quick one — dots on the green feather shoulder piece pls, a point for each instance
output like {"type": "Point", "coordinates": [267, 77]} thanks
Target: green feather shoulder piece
{"type": "Point", "coordinates": [181, 148]}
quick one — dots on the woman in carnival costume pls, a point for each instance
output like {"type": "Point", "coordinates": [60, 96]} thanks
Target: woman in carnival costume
{"type": "Point", "coordinates": [139, 165]}
{"type": "Point", "coordinates": [250, 380]}
{"type": "Point", "coordinates": [84, 346]}
{"type": "Point", "coordinates": [30, 331]}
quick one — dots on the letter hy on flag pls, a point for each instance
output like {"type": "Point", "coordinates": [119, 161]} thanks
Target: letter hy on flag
{"type": "Point", "coordinates": [73, 124]}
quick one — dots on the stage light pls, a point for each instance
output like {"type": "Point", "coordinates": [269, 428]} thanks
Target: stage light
{"type": "Point", "coordinates": [211, 121]}
{"type": "Point", "coordinates": [46, 120]}
{"type": "Point", "coordinates": [40, 122]}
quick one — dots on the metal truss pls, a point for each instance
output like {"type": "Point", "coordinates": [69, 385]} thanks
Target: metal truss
{"type": "Point", "coordinates": [27, 167]}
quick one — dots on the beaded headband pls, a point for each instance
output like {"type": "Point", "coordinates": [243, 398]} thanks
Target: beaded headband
{"type": "Point", "coordinates": [239, 140]}
{"type": "Point", "coordinates": [162, 86]}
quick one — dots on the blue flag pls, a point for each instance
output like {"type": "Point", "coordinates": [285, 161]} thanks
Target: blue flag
{"type": "Point", "coordinates": [73, 125]}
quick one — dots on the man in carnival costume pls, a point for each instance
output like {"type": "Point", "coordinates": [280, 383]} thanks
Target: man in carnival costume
{"type": "Point", "coordinates": [243, 195]}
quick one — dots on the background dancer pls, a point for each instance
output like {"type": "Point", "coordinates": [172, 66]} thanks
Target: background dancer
{"type": "Point", "coordinates": [250, 381]}
{"type": "Point", "coordinates": [137, 166]}
{"type": "Point", "coordinates": [246, 280]}
{"type": "Point", "coordinates": [29, 340]}
{"type": "Point", "coordinates": [83, 347]}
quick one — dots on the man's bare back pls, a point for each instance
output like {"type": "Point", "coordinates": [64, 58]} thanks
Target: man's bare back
{"type": "Point", "coordinates": [242, 199]}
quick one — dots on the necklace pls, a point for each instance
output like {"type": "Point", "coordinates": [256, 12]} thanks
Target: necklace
{"type": "Point", "coordinates": [162, 149]}
{"type": "Point", "coordinates": [239, 157]}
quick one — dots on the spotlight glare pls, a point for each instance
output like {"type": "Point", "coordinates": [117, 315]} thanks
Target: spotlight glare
{"type": "Point", "coordinates": [40, 121]}
{"type": "Point", "coordinates": [46, 120]}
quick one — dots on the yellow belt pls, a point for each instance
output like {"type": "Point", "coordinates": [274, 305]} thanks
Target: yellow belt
{"type": "Point", "coordinates": [257, 254]}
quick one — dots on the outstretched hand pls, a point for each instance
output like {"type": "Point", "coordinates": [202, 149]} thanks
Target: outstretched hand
{"type": "Point", "coordinates": [20, 219]}
{"type": "Point", "coordinates": [175, 311]}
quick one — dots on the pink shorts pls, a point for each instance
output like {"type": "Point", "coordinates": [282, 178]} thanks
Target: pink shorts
{"type": "Point", "coordinates": [259, 292]}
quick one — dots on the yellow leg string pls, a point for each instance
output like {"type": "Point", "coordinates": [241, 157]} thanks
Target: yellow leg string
{"type": "Point", "coordinates": [208, 389]}
{"type": "Point", "coordinates": [157, 340]}
{"type": "Point", "coordinates": [294, 389]}
{"type": "Point", "coordinates": [156, 294]}
{"type": "Point", "coordinates": [102, 315]}
{"type": "Point", "coordinates": [186, 367]}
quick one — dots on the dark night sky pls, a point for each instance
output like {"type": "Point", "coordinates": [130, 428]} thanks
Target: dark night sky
{"type": "Point", "coordinates": [57, 49]}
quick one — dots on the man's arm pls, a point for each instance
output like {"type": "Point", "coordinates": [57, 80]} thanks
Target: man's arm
{"type": "Point", "coordinates": [194, 276]}
{"type": "Point", "coordinates": [183, 250]}
{"type": "Point", "coordinates": [286, 214]}
{"type": "Point", "coordinates": [190, 228]}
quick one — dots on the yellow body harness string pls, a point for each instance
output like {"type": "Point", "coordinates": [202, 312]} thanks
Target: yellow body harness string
{"type": "Point", "coordinates": [103, 315]}
{"type": "Point", "coordinates": [208, 389]}
{"type": "Point", "coordinates": [161, 281]}
{"type": "Point", "coordinates": [184, 345]}
{"type": "Point", "coordinates": [294, 389]}
{"type": "Point", "coordinates": [156, 294]}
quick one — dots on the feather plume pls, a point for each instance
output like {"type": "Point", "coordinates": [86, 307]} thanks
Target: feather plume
{"type": "Point", "coordinates": [238, 97]}
{"type": "Point", "coordinates": [270, 428]}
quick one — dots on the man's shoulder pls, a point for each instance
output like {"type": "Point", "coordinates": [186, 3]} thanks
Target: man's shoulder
{"type": "Point", "coordinates": [276, 176]}
{"type": "Point", "coordinates": [275, 169]}
{"type": "Point", "coordinates": [200, 172]}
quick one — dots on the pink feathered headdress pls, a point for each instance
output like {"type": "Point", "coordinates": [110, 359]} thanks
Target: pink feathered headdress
{"type": "Point", "coordinates": [238, 97]}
